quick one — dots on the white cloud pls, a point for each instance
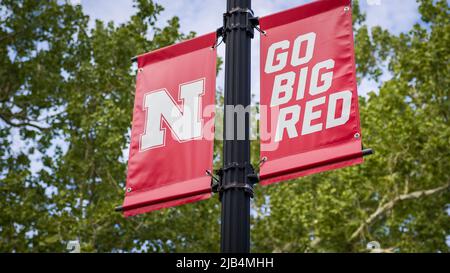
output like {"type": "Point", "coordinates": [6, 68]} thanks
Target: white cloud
{"type": "Point", "coordinates": [118, 11]}
{"type": "Point", "coordinates": [75, 2]}
{"type": "Point", "coordinates": [396, 16]}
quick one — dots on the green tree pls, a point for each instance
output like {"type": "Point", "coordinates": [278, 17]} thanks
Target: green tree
{"type": "Point", "coordinates": [68, 90]}
{"type": "Point", "coordinates": [35, 40]}
{"type": "Point", "coordinates": [66, 94]}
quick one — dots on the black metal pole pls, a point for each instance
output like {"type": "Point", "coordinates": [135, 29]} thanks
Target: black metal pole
{"type": "Point", "coordinates": [235, 197]}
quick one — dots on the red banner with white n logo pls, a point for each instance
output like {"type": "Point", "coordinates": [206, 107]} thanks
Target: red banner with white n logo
{"type": "Point", "coordinates": [309, 102]}
{"type": "Point", "coordinates": [173, 127]}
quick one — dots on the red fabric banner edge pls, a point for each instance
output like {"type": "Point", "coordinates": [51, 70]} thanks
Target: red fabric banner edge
{"type": "Point", "coordinates": [178, 49]}
{"type": "Point", "coordinates": [302, 173]}
{"type": "Point", "coordinates": [163, 197]}
{"type": "Point", "coordinates": [300, 12]}
{"type": "Point", "coordinates": [168, 204]}
{"type": "Point", "coordinates": [330, 158]}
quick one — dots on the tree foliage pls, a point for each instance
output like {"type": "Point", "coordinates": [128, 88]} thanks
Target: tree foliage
{"type": "Point", "coordinates": [66, 94]}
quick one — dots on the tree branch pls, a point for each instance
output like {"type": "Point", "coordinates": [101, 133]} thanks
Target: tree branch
{"type": "Point", "coordinates": [21, 124]}
{"type": "Point", "coordinates": [389, 205]}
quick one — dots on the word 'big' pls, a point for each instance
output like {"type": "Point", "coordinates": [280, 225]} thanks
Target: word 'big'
{"type": "Point", "coordinates": [320, 81]}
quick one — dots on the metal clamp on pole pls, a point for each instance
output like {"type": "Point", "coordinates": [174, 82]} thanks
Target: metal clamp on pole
{"type": "Point", "coordinates": [250, 180]}
{"type": "Point", "coordinates": [251, 23]}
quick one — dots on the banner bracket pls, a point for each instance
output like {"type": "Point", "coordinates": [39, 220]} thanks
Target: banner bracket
{"type": "Point", "coordinates": [366, 152]}
{"type": "Point", "coordinates": [251, 23]}
{"type": "Point", "coordinates": [251, 178]}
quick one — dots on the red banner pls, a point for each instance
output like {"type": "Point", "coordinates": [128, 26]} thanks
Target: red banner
{"type": "Point", "coordinates": [309, 102]}
{"type": "Point", "coordinates": [173, 127]}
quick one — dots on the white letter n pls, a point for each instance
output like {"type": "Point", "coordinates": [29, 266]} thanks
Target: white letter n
{"type": "Point", "coordinates": [185, 122]}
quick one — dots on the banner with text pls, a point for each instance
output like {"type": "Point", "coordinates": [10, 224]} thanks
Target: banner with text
{"type": "Point", "coordinates": [309, 102]}
{"type": "Point", "coordinates": [173, 127]}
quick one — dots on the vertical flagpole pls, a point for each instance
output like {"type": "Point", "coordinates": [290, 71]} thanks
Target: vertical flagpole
{"type": "Point", "coordinates": [236, 190]}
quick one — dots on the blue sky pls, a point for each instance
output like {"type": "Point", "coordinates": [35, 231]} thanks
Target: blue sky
{"type": "Point", "coordinates": [204, 16]}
